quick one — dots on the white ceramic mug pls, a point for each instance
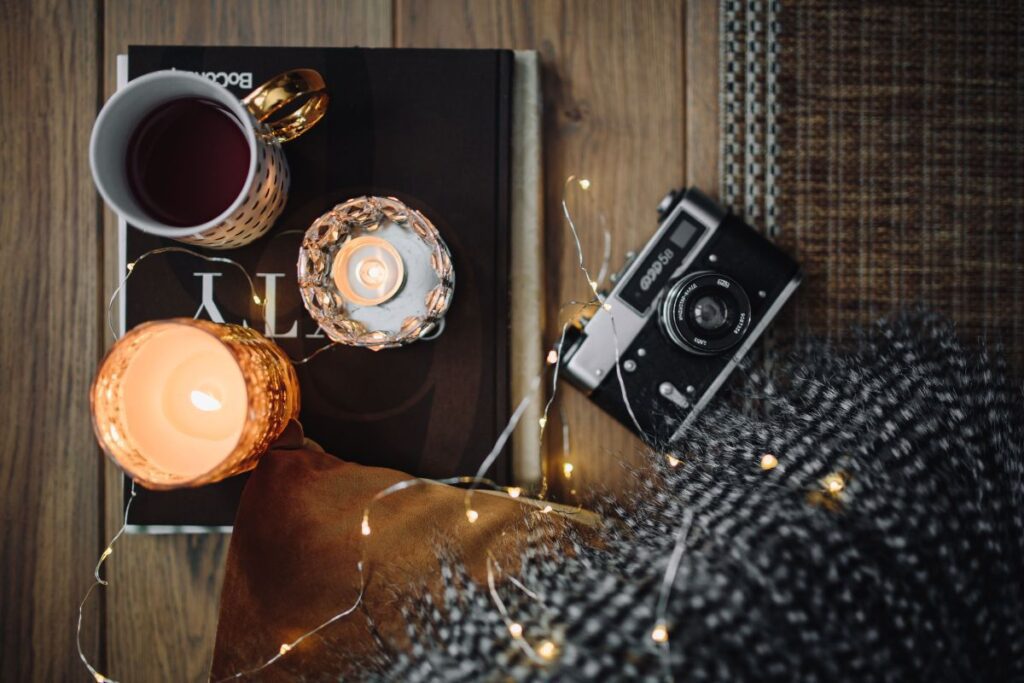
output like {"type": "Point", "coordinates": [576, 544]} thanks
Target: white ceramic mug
{"type": "Point", "coordinates": [265, 189]}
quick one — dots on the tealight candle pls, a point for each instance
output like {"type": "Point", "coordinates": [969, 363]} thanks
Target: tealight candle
{"type": "Point", "coordinates": [375, 273]}
{"type": "Point", "coordinates": [188, 402]}
{"type": "Point", "coordinates": [368, 271]}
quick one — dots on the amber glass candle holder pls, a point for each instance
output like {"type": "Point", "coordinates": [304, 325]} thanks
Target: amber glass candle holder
{"type": "Point", "coordinates": [181, 402]}
{"type": "Point", "coordinates": [375, 273]}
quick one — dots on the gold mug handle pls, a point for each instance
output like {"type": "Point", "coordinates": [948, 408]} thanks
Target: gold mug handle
{"type": "Point", "coordinates": [282, 90]}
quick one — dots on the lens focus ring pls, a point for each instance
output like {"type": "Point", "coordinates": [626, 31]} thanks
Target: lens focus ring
{"type": "Point", "coordinates": [705, 313]}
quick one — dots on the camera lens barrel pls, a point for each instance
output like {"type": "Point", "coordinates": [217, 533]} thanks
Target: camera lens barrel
{"type": "Point", "coordinates": [705, 313]}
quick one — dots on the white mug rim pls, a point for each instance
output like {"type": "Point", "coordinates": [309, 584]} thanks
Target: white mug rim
{"type": "Point", "coordinates": [143, 221]}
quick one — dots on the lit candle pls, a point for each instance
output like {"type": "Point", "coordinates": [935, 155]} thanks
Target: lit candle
{"type": "Point", "coordinates": [375, 273]}
{"type": "Point", "coordinates": [187, 402]}
{"type": "Point", "coordinates": [368, 271]}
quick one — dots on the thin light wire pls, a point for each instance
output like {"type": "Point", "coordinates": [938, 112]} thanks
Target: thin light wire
{"type": "Point", "coordinates": [288, 647]}
{"type": "Point", "coordinates": [303, 361]}
{"type": "Point", "coordinates": [519, 640]}
{"type": "Point", "coordinates": [516, 582]}
{"type": "Point", "coordinates": [554, 379]}
{"type": "Point", "coordinates": [606, 257]}
{"type": "Point", "coordinates": [212, 259]}
{"type": "Point", "coordinates": [100, 581]}
{"type": "Point", "coordinates": [547, 406]}
{"type": "Point", "coordinates": [618, 372]}
{"type": "Point", "coordinates": [594, 286]}
{"type": "Point", "coordinates": [179, 250]}
{"type": "Point", "coordinates": [584, 184]}
{"type": "Point", "coordinates": [360, 566]}
{"type": "Point", "coordinates": [671, 570]}
{"type": "Point", "coordinates": [419, 481]}
{"type": "Point", "coordinates": [499, 444]}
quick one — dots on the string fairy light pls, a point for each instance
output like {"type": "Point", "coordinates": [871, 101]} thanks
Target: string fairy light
{"type": "Point", "coordinates": [557, 366]}
{"type": "Point", "coordinates": [130, 270]}
{"type": "Point", "coordinates": [830, 492]}
{"type": "Point", "coordinates": [285, 648]}
{"type": "Point", "coordinates": [834, 483]}
{"type": "Point", "coordinates": [769, 462]}
{"type": "Point", "coordinates": [541, 654]}
{"type": "Point", "coordinates": [100, 581]}
{"type": "Point", "coordinates": [584, 184]}
{"type": "Point", "coordinates": [567, 466]}
{"type": "Point", "coordinates": [660, 634]}
{"type": "Point", "coordinates": [517, 583]}
{"type": "Point", "coordinates": [547, 649]}
{"type": "Point", "coordinates": [254, 295]}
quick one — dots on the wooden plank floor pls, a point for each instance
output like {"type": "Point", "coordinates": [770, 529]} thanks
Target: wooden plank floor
{"type": "Point", "coordinates": [631, 102]}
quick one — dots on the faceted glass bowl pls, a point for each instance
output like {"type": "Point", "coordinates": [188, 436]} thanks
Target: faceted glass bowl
{"type": "Point", "coordinates": [420, 304]}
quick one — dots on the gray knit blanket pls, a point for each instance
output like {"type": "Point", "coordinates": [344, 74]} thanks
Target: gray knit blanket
{"type": "Point", "coordinates": [913, 570]}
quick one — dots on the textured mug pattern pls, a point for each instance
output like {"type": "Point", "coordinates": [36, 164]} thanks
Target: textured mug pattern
{"type": "Point", "coordinates": [264, 201]}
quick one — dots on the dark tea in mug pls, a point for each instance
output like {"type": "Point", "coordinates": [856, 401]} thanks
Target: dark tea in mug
{"type": "Point", "coordinates": [187, 161]}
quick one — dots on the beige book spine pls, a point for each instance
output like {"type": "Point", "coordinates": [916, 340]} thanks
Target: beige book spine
{"type": "Point", "coordinates": [527, 276]}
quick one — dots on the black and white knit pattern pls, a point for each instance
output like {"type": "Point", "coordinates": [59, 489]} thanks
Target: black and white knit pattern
{"type": "Point", "coordinates": [913, 572]}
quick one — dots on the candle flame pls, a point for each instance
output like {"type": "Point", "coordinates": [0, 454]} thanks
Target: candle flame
{"type": "Point", "coordinates": [204, 401]}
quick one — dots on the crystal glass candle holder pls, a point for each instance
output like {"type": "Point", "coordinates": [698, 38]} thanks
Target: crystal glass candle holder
{"type": "Point", "coordinates": [184, 402]}
{"type": "Point", "coordinates": [375, 273]}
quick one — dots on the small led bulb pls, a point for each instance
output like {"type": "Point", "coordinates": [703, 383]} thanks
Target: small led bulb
{"type": "Point", "coordinates": [660, 633]}
{"type": "Point", "coordinates": [769, 461]}
{"type": "Point", "coordinates": [514, 492]}
{"type": "Point", "coordinates": [366, 527]}
{"type": "Point", "coordinates": [472, 515]}
{"type": "Point", "coordinates": [515, 629]}
{"type": "Point", "coordinates": [547, 649]}
{"type": "Point", "coordinates": [834, 483]}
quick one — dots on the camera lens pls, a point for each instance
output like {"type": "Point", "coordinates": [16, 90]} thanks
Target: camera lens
{"type": "Point", "coordinates": [705, 313]}
{"type": "Point", "coordinates": [710, 312]}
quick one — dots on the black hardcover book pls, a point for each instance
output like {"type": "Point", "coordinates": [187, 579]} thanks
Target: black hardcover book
{"type": "Point", "coordinates": [430, 127]}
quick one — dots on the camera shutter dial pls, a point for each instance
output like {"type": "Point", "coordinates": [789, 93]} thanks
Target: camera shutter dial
{"type": "Point", "coordinates": [705, 313]}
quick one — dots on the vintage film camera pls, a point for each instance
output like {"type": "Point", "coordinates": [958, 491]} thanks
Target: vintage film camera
{"type": "Point", "coordinates": [683, 311]}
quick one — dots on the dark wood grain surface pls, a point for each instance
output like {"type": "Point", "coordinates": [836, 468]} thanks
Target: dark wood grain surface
{"type": "Point", "coordinates": [630, 93]}
{"type": "Point", "coordinates": [50, 251]}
